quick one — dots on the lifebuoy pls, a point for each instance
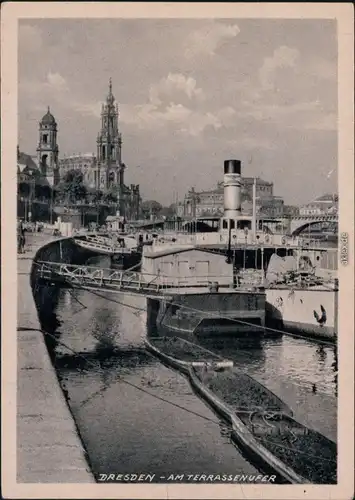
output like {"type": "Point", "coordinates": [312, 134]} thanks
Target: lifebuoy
{"type": "Point", "coordinates": [234, 236]}
{"type": "Point", "coordinates": [283, 240]}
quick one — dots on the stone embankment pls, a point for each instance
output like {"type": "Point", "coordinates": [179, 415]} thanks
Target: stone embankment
{"type": "Point", "coordinates": [49, 449]}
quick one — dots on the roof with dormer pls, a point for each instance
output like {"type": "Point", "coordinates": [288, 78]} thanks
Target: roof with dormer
{"type": "Point", "coordinates": [27, 166]}
{"type": "Point", "coordinates": [25, 161]}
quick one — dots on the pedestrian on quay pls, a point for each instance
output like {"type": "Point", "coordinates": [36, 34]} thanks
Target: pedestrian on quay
{"type": "Point", "coordinates": [21, 240]}
{"type": "Point", "coordinates": [19, 243]}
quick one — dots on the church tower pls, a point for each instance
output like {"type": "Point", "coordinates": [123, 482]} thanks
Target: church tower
{"type": "Point", "coordinates": [110, 169]}
{"type": "Point", "coordinates": [47, 150]}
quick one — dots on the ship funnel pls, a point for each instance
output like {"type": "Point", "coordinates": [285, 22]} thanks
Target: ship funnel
{"type": "Point", "coordinates": [232, 188]}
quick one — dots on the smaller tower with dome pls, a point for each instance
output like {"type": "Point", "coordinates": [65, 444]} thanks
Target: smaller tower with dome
{"type": "Point", "coordinates": [47, 149]}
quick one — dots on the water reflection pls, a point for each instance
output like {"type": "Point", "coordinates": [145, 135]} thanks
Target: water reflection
{"type": "Point", "coordinates": [134, 414]}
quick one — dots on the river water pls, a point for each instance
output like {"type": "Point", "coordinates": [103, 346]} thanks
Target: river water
{"type": "Point", "coordinates": [137, 416]}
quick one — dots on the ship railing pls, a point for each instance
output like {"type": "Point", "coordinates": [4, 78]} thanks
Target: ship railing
{"type": "Point", "coordinates": [102, 244]}
{"type": "Point", "coordinates": [238, 238]}
{"type": "Point", "coordinates": [306, 283]}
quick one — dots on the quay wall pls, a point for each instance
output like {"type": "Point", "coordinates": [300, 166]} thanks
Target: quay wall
{"type": "Point", "coordinates": [45, 427]}
{"type": "Point", "coordinates": [45, 297]}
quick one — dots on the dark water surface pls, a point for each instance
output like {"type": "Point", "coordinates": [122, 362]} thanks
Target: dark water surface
{"type": "Point", "coordinates": [126, 430]}
{"type": "Point", "coordinates": [287, 359]}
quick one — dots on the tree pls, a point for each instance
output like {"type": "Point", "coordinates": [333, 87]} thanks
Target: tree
{"type": "Point", "coordinates": [23, 189]}
{"type": "Point", "coordinates": [151, 207]}
{"type": "Point", "coordinates": [168, 212]}
{"type": "Point", "coordinates": [71, 188]}
{"type": "Point", "coordinates": [109, 197]}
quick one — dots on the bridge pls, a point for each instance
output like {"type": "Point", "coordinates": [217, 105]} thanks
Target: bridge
{"type": "Point", "coordinates": [300, 223]}
{"type": "Point", "coordinates": [290, 225]}
{"type": "Point", "coordinates": [294, 226]}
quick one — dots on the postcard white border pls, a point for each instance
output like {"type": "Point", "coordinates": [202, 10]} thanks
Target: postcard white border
{"type": "Point", "coordinates": [344, 15]}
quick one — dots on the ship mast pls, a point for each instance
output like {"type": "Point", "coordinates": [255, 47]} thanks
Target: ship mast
{"type": "Point", "coordinates": [254, 210]}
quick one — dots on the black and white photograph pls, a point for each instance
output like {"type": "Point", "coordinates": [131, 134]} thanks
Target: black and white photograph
{"type": "Point", "coordinates": [181, 248]}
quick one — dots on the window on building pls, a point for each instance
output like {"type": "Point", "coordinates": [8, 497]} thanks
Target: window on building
{"type": "Point", "coordinates": [111, 178]}
{"type": "Point", "coordinates": [45, 138]}
{"type": "Point", "coordinates": [232, 223]}
{"type": "Point", "coordinates": [225, 224]}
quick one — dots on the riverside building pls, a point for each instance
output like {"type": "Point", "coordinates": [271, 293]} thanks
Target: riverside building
{"type": "Point", "coordinates": [210, 203]}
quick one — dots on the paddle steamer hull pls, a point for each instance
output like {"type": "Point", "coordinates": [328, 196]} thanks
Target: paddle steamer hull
{"type": "Point", "coordinates": [309, 312]}
{"type": "Point", "coordinates": [207, 314]}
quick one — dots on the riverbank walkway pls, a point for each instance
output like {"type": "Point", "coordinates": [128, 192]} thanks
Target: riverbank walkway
{"type": "Point", "coordinates": [49, 449]}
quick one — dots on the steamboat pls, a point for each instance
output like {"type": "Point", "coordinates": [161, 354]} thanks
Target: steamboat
{"type": "Point", "coordinates": [298, 278]}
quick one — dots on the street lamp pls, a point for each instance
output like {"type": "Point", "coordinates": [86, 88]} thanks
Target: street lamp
{"type": "Point", "coordinates": [97, 207]}
{"type": "Point", "coordinates": [51, 205]}
{"type": "Point", "coordinates": [31, 179]}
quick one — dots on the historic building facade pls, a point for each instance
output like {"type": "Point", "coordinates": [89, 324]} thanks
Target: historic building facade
{"type": "Point", "coordinates": [211, 203]}
{"type": "Point", "coordinates": [30, 180]}
{"type": "Point", "coordinates": [323, 205]}
{"type": "Point", "coordinates": [105, 170]}
{"type": "Point", "coordinates": [85, 162]}
{"type": "Point", "coordinates": [47, 149]}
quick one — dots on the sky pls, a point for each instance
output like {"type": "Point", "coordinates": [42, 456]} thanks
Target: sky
{"type": "Point", "coordinates": [191, 93]}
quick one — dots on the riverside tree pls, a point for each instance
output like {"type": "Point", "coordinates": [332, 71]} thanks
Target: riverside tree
{"type": "Point", "coordinates": [72, 188]}
{"type": "Point", "coordinates": [151, 208]}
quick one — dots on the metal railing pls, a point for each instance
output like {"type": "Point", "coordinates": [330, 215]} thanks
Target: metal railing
{"type": "Point", "coordinates": [102, 243]}
{"type": "Point", "coordinates": [88, 276]}
{"type": "Point", "coordinates": [306, 282]}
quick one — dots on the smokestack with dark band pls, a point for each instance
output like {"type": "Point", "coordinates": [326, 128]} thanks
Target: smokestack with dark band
{"type": "Point", "coordinates": [232, 188]}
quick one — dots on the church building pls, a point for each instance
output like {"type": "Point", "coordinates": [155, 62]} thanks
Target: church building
{"type": "Point", "coordinates": [105, 171]}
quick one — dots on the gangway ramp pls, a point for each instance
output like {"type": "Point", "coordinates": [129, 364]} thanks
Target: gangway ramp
{"type": "Point", "coordinates": [89, 277]}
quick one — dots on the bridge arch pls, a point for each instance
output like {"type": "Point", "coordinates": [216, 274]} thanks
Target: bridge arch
{"type": "Point", "coordinates": [306, 224]}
